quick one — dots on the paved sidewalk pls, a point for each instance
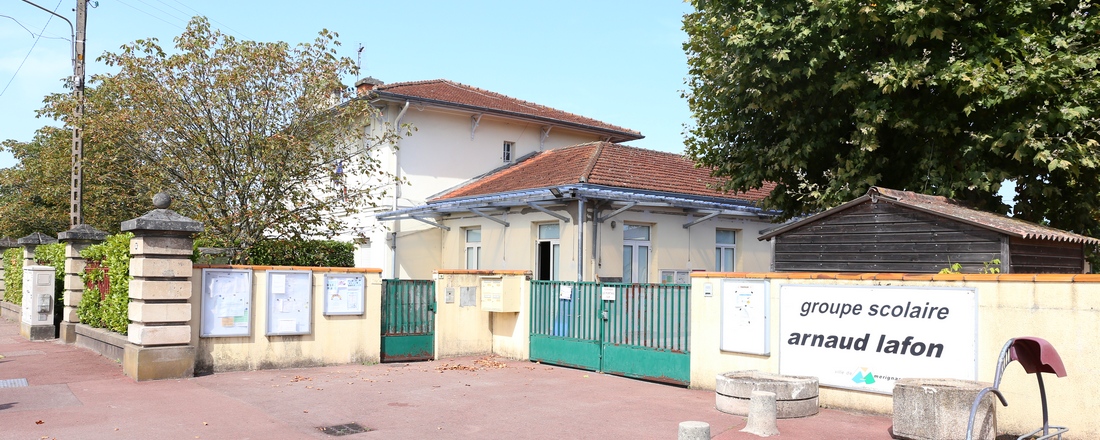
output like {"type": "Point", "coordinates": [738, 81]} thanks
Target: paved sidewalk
{"type": "Point", "coordinates": [73, 393]}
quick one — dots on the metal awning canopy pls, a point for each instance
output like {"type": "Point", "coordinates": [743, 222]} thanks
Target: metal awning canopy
{"type": "Point", "coordinates": [543, 198]}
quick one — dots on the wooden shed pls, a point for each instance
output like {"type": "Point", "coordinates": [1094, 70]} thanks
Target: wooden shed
{"type": "Point", "coordinates": [900, 231]}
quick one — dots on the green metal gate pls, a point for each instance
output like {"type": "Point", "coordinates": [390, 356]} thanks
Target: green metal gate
{"type": "Point", "coordinates": [408, 320]}
{"type": "Point", "coordinates": [641, 333]}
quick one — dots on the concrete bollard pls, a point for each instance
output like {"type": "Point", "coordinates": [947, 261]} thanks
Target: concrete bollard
{"type": "Point", "coordinates": [795, 396]}
{"type": "Point", "coordinates": [692, 430]}
{"type": "Point", "coordinates": [939, 409]}
{"type": "Point", "coordinates": [762, 411]}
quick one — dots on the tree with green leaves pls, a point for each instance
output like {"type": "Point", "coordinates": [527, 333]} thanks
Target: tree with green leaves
{"type": "Point", "coordinates": [34, 195]}
{"type": "Point", "coordinates": [946, 97]}
{"type": "Point", "coordinates": [253, 139]}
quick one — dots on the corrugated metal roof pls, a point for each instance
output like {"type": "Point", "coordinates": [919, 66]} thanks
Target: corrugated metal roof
{"type": "Point", "coordinates": [959, 211]}
{"type": "Point", "coordinates": [947, 208]}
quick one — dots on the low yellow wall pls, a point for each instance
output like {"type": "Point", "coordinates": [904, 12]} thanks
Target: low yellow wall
{"type": "Point", "coordinates": [512, 331]}
{"type": "Point", "coordinates": [461, 331]}
{"type": "Point", "coordinates": [339, 339]}
{"type": "Point", "coordinates": [1063, 309]}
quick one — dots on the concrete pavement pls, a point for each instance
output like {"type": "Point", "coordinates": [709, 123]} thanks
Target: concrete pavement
{"type": "Point", "coordinates": [73, 393]}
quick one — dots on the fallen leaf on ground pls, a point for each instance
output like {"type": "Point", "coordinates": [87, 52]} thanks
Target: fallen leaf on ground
{"type": "Point", "coordinates": [490, 362]}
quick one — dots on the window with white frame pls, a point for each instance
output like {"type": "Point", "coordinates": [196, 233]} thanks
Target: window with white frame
{"type": "Point", "coordinates": [548, 248]}
{"type": "Point", "coordinates": [473, 248]}
{"type": "Point", "coordinates": [509, 147]}
{"type": "Point", "coordinates": [635, 253]}
{"type": "Point", "coordinates": [725, 247]}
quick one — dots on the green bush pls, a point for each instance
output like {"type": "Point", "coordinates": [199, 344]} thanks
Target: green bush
{"type": "Point", "coordinates": [13, 275]}
{"type": "Point", "coordinates": [52, 255]}
{"type": "Point", "coordinates": [110, 313]}
{"type": "Point", "coordinates": [313, 253]}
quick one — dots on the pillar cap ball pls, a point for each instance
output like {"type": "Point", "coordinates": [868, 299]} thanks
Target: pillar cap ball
{"type": "Point", "coordinates": [162, 200]}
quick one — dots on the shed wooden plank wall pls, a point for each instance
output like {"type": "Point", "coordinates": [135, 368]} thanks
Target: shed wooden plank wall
{"type": "Point", "coordinates": [1037, 256]}
{"type": "Point", "coordinates": [882, 237]}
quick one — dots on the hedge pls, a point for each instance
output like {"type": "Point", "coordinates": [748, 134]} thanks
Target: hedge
{"type": "Point", "coordinates": [312, 253]}
{"type": "Point", "coordinates": [111, 312]}
{"type": "Point", "coordinates": [13, 275]}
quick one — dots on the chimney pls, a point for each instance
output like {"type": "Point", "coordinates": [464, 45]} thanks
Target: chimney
{"type": "Point", "coordinates": [365, 85]}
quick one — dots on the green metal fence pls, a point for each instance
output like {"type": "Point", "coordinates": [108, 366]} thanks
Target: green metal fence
{"type": "Point", "coordinates": [634, 330]}
{"type": "Point", "coordinates": [408, 320]}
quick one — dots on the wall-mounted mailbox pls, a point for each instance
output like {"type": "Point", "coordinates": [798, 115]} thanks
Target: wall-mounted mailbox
{"type": "Point", "coordinates": [496, 298]}
{"type": "Point", "coordinates": [38, 303]}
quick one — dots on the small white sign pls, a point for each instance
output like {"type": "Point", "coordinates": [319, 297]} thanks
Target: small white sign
{"type": "Point", "coordinates": [607, 293]}
{"type": "Point", "coordinates": [566, 292]}
{"type": "Point", "coordinates": [745, 324]}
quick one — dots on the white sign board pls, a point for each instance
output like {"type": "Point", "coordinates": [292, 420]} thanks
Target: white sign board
{"type": "Point", "coordinates": [344, 294]}
{"type": "Point", "coordinates": [866, 338]}
{"type": "Point", "coordinates": [289, 302]}
{"type": "Point", "coordinates": [745, 310]}
{"type": "Point", "coordinates": [607, 293]}
{"type": "Point", "coordinates": [565, 292]}
{"type": "Point", "coordinates": [226, 303]}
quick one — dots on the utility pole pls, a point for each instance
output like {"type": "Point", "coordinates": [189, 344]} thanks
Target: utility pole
{"type": "Point", "coordinates": [76, 208]}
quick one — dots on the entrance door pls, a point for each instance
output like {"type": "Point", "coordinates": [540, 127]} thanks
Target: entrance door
{"type": "Point", "coordinates": [408, 320]}
{"type": "Point", "coordinates": [548, 250]}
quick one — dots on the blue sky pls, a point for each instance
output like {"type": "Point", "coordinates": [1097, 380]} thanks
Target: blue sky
{"type": "Point", "coordinates": [616, 61]}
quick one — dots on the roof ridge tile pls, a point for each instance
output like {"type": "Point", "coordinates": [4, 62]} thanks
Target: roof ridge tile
{"type": "Point", "coordinates": [530, 108]}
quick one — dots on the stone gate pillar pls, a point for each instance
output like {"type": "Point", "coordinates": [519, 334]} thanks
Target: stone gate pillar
{"type": "Point", "coordinates": [160, 262]}
{"type": "Point", "coordinates": [76, 239]}
{"type": "Point", "coordinates": [32, 241]}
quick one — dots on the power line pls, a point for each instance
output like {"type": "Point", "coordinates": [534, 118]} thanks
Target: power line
{"type": "Point", "coordinates": [161, 13]}
{"type": "Point", "coordinates": [161, 10]}
{"type": "Point", "coordinates": [223, 25]}
{"type": "Point", "coordinates": [39, 37]}
{"type": "Point", "coordinates": [32, 32]}
{"type": "Point", "coordinates": [149, 14]}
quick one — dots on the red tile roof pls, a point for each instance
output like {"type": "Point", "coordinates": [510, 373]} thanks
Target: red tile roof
{"type": "Point", "coordinates": [606, 164]}
{"type": "Point", "coordinates": [450, 92]}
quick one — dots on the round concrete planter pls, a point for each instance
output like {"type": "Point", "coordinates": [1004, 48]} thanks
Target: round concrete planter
{"type": "Point", "coordinates": [939, 409]}
{"type": "Point", "coordinates": [795, 396]}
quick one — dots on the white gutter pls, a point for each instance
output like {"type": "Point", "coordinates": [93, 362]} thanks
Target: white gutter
{"type": "Point", "coordinates": [580, 239]}
{"type": "Point", "coordinates": [397, 185]}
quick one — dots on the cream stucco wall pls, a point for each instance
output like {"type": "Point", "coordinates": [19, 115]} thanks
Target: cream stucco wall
{"type": "Point", "coordinates": [1063, 309]}
{"type": "Point", "coordinates": [438, 155]}
{"type": "Point", "coordinates": [333, 339]}
{"type": "Point", "coordinates": [673, 246]}
{"type": "Point", "coordinates": [677, 248]}
{"type": "Point", "coordinates": [417, 251]}
{"type": "Point", "coordinates": [472, 330]}
{"type": "Point", "coordinates": [460, 330]}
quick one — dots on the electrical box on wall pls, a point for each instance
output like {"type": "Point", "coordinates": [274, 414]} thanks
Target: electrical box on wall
{"type": "Point", "coordinates": [496, 298]}
{"type": "Point", "coordinates": [38, 302]}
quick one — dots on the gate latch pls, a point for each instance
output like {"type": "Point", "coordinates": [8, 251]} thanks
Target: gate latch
{"type": "Point", "coordinates": [604, 315]}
